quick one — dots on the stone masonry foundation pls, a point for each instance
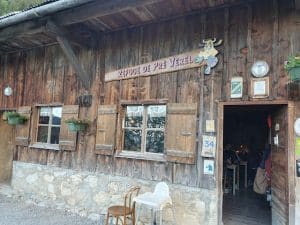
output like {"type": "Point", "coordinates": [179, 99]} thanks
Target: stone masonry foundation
{"type": "Point", "coordinates": [89, 194]}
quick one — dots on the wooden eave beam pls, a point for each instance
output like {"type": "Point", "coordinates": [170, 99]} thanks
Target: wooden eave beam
{"type": "Point", "coordinates": [72, 16]}
{"type": "Point", "coordinates": [23, 29]}
{"type": "Point", "coordinates": [98, 9]}
{"type": "Point", "coordinates": [68, 51]}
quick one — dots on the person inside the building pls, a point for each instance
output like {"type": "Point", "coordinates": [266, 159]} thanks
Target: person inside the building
{"type": "Point", "coordinates": [253, 161]}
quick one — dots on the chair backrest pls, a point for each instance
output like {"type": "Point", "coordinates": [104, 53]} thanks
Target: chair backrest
{"type": "Point", "coordinates": [130, 195]}
{"type": "Point", "coordinates": [162, 189]}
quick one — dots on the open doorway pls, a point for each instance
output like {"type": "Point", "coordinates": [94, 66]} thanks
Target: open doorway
{"type": "Point", "coordinates": [6, 150]}
{"type": "Point", "coordinates": [255, 137]}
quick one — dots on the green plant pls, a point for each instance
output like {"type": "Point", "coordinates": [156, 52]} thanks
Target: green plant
{"type": "Point", "coordinates": [293, 62]}
{"type": "Point", "coordinates": [15, 118]}
{"type": "Point", "coordinates": [78, 121]}
{"type": "Point", "coordinates": [292, 66]}
{"type": "Point", "coordinates": [75, 125]}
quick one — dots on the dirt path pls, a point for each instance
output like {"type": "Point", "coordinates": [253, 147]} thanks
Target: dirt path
{"type": "Point", "coordinates": [17, 212]}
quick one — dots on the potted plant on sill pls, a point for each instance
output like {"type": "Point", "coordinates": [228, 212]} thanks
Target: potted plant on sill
{"type": "Point", "coordinates": [75, 125]}
{"type": "Point", "coordinates": [14, 118]}
{"type": "Point", "coordinates": [292, 66]}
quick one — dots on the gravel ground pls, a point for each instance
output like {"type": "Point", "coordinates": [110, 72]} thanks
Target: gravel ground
{"type": "Point", "coordinates": [17, 212]}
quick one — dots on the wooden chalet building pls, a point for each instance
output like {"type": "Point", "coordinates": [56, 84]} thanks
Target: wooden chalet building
{"type": "Point", "coordinates": [136, 71]}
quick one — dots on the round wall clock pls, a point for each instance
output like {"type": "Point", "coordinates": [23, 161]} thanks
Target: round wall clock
{"type": "Point", "coordinates": [260, 68]}
{"type": "Point", "coordinates": [297, 127]}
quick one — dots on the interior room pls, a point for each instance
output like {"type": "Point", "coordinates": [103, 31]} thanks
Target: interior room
{"type": "Point", "coordinates": [246, 147]}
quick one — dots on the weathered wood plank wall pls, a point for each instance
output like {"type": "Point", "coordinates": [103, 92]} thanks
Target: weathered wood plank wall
{"type": "Point", "coordinates": [250, 32]}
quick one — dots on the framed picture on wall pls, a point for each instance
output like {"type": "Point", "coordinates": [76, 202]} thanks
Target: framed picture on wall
{"type": "Point", "coordinates": [236, 87]}
{"type": "Point", "coordinates": [260, 87]}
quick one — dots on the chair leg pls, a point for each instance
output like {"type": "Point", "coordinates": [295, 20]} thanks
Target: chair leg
{"type": "Point", "coordinates": [160, 217]}
{"type": "Point", "coordinates": [138, 209]}
{"type": "Point", "coordinates": [133, 218]}
{"type": "Point", "coordinates": [173, 212]}
{"type": "Point", "coordinates": [152, 217]}
{"type": "Point", "coordinates": [107, 218]}
{"type": "Point", "coordinates": [117, 222]}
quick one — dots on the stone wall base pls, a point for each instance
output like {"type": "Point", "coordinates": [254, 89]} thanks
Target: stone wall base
{"type": "Point", "coordinates": [89, 194]}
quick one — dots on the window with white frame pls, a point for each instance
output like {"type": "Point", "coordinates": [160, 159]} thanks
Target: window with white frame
{"type": "Point", "coordinates": [49, 122]}
{"type": "Point", "coordinates": [144, 128]}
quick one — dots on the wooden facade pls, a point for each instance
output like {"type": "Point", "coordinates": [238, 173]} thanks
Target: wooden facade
{"type": "Point", "coordinates": [259, 30]}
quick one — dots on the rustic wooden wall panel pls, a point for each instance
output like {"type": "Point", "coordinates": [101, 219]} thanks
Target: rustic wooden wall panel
{"type": "Point", "coordinates": [288, 24]}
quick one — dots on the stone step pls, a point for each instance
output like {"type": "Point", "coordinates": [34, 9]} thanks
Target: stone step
{"type": "Point", "coordinates": [6, 190]}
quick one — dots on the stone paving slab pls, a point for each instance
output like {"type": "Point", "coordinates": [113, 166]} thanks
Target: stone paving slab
{"type": "Point", "coordinates": [15, 211]}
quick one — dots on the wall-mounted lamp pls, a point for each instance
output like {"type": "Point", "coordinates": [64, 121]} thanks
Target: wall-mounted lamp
{"type": "Point", "coordinates": [8, 91]}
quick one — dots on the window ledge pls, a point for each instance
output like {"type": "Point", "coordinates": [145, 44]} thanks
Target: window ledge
{"type": "Point", "coordinates": [144, 156]}
{"type": "Point", "coordinates": [45, 146]}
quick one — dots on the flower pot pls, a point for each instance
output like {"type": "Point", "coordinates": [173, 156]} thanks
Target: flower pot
{"type": "Point", "coordinates": [294, 74]}
{"type": "Point", "coordinates": [15, 120]}
{"type": "Point", "coordinates": [73, 127]}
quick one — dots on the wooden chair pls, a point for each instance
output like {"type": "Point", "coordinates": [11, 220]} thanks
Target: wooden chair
{"type": "Point", "coordinates": [127, 211]}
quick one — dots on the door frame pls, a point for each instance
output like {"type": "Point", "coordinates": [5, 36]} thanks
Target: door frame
{"type": "Point", "coordinates": [290, 155]}
{"type": "Point", "coordinates": [10, 143]}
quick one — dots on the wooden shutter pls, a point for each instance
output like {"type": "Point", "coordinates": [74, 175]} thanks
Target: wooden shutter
{"type": "Point", "coordinates": [106, 129]}
{"type": "Point", "coordinates": [67, 139]}
{"type": "Point", "coordinates": [23, 131]}
{"type": "Point", "coordinates": [181, 132]}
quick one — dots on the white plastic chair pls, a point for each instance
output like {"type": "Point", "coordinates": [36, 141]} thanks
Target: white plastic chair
{"type": "Point", "coordinates": [157, 201]}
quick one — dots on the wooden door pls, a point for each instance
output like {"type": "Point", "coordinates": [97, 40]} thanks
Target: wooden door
{"type": "Point", "coordinates": [282, 175]}
{"type": "Point", "coordinates": [6, 150]}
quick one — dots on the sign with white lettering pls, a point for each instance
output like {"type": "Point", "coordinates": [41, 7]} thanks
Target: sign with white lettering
{"type": "Point", "coordinates": [170, 64]}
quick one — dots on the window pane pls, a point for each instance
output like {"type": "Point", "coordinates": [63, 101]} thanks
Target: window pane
{"type": "Point", "coordinates": [42, 135]}
{"type": "Point", "coordinates": [156, 116]}
{"type": "Point", "coordinates": [56, 115]}
{"type": "Point", "coordinates": [134, 116]}
{"type": "Point", "coordinates": [132, 140]}
{"type": "Point", "coordinates": [44, 115]}
{"type": "Point", "coordinates": [155, 141]}
{"type": "Point", "coordinates": [54, 139]}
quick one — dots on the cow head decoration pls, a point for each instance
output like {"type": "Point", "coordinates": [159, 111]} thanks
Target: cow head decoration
{"type": "Point", "coordinates": [208, 54]}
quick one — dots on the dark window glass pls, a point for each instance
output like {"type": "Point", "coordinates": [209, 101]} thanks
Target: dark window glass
{"type": "Point", "coordinates": [155, 141]}
{"type": "Point", "coordinates": [54, 139]}
{"type": "Point", "coordinates": [42, 135]}
{"type": "Point", "coordinates": [132, 140]}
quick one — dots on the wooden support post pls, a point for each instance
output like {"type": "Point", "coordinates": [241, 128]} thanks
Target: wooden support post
{"type": "Point", "coordinates": [70, 54]}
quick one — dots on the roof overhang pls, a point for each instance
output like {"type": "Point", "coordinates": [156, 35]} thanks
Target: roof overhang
{"type": "Point", "coordinates": [83, 19]}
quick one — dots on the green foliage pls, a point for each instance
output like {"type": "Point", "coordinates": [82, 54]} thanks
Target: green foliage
{"type": "Point", "coordinates": [11, 114]}
{"type": "Point", "coordinates": [15, 118]}
{"type": "Point", "coordinates": [293, 62]}
{"type": "Point", "coordinates": [78, 121]}
{"type": "Point", "coordinates": [7, 6]}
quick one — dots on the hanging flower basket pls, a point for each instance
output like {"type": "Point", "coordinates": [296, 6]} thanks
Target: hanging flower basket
{"type": "Point", "coordinates": [292, 66]}
{"type": "Point", "coordinates": [75, 125]}
{"type": "Point", "coordinates": [294, 74]}
{"type": "Point", "coordinates": [14, 118]}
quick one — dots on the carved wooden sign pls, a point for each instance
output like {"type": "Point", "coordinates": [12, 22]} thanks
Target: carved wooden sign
{"type": "Point", "coordinates": [165, 65]}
